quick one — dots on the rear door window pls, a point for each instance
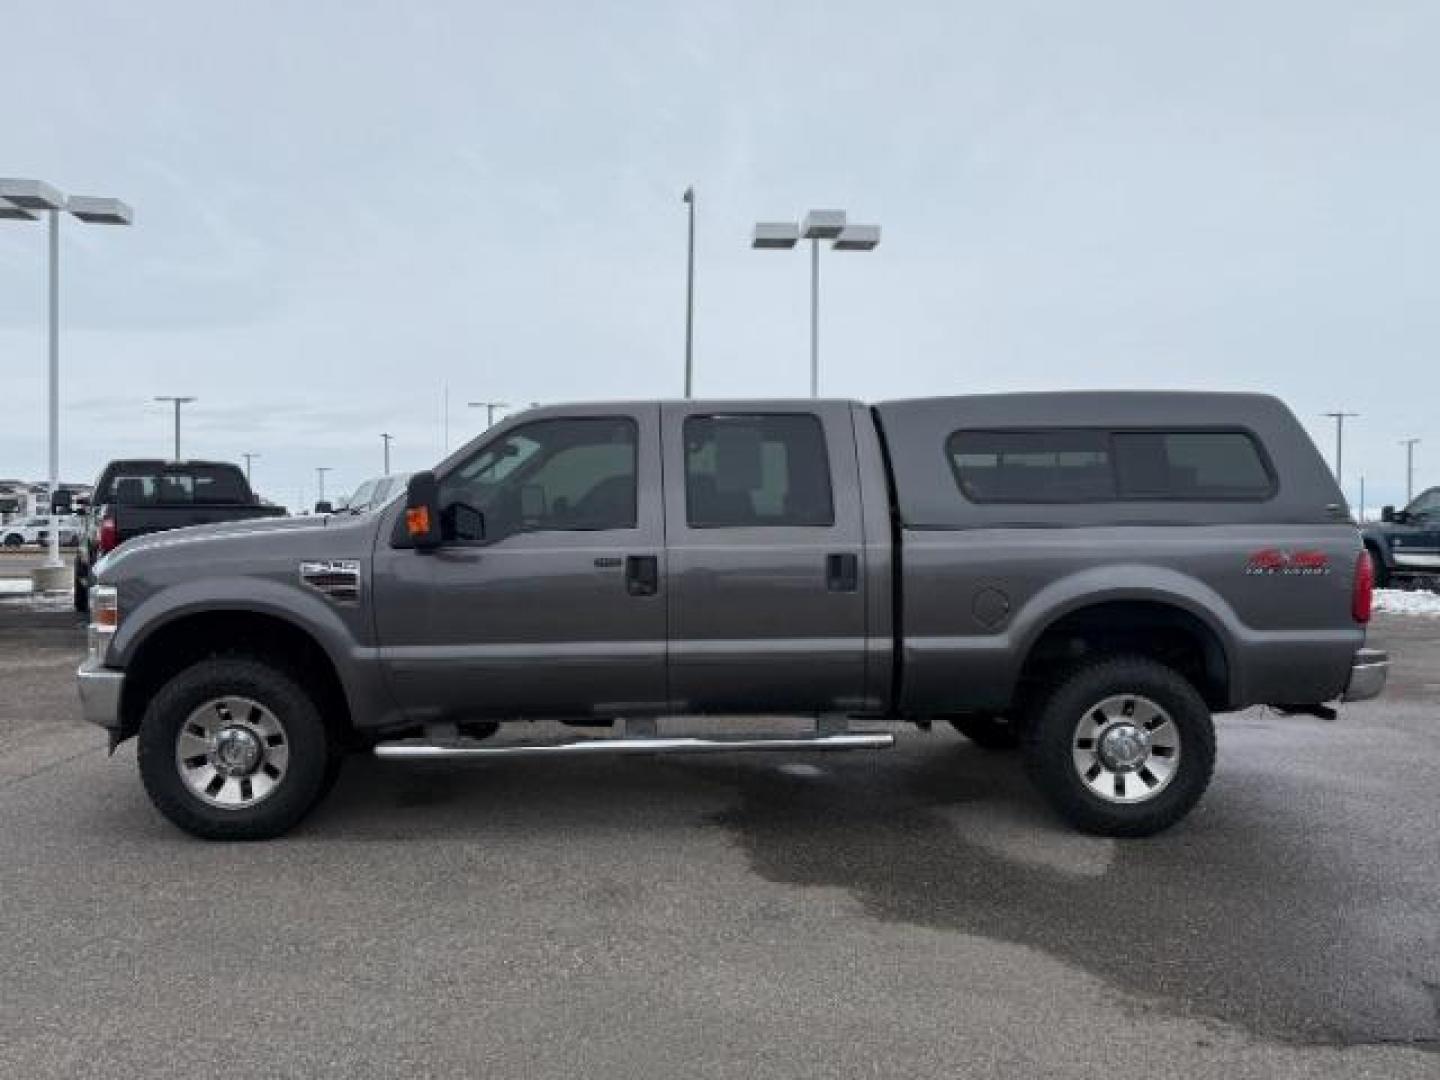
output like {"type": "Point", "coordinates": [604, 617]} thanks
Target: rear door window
{"type": "Point", "coordinates": [747, 470]}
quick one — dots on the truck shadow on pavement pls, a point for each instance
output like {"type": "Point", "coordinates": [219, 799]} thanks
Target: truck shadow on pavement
{"type": "Point", "coordinates": [1235, 914]}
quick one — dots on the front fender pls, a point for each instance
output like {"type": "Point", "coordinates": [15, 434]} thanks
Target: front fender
{"type": "Point", "coordinates": [339, 632]}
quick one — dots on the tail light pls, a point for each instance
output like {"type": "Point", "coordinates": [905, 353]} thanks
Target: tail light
{"type": "Point", "coordinates": [109, 536]}
{"type": "Point", "coordinates": [1362, 600]}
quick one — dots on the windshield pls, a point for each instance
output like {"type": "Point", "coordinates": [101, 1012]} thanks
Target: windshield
{"type": "Point", "coordinates": [1426, 504]}
{"type": "Point", "coordinates": [360, 501]}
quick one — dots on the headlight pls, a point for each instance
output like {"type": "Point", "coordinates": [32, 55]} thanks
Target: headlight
{"type": "Point", "coordinates": [104, 620]}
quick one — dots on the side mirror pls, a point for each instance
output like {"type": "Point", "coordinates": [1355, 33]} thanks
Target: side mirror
{"type": "Point", "coordinates": [1387, 514]}
{"type": "Point", "coordinates": [324, 507]}
{"type": "Point", "coordinates": [419, 526]}
{"type": "Point", "coordinates": [462, 523]}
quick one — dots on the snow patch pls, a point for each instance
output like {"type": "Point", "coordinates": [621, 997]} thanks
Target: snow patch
{"type": "Point", "coordinates": [1403, 602]}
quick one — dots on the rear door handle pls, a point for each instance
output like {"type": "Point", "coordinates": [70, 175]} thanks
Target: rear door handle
{"type": "Point", "coordinates": [842, 572]}
{"type": "Point", "coordinates": [642, 575]}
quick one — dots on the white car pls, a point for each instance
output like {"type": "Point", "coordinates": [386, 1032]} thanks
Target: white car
{"type": "Point", "coordinates": [374, 493]}
{"type": "Point", "coordinates": [35, 530]}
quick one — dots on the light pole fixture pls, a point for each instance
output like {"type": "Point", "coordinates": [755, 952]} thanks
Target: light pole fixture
{"type": "Point", "coordinates": [1409, 445]}
{"type": "Point", "coordinates": [818, 225]}
{"type": "Point", "coordinates": [385, 437]}
{"type": "Point", "coordinates": [320, 472]}
{"type": "Point", "coordinates": [489, 407]}
{"type": "Point", "coordinates": [177, 402]}
{"type": "Point", "coordinates": [25, 200]}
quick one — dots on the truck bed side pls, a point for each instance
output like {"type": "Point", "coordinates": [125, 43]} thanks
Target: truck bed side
{"type": "Point", "coordinates": [992, 593]}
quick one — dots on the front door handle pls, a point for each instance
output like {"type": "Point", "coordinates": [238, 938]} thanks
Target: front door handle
{"type": "Point", "coordinates": [842, 572]}
{"type": "Point", "coordinates": [642, 575]}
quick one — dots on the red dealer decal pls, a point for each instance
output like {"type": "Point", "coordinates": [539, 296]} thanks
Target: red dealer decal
{"type": "Point", "coordinates": [1273, 561]}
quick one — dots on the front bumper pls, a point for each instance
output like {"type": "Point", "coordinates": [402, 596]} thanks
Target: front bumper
{"type": "Point", "coordinates": [1368, 672]}
{"type": "Point", "coordinates": [100, 694]}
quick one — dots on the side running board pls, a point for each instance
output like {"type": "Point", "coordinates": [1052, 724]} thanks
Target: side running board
{"type": "Point", "coordinates": [467, 749]}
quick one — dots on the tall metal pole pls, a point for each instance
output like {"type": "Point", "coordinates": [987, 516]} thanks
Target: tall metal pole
{"type": "Point", "coordinates": [320, 472]}
{"type": "Point", "coordinates": [1362, 498]}
{"type": "Point", "coordinates": [177, 402]}
{"type": "Point", "coordinates": [52, 558]}
{"type": "Point", "coordinates": [1409, 445]}
{"type": "Point", "coordinates": [815, 318]}
{"type": "Point", "coordinates": [690, 298]}
{"type": "Point", "coordinates": [1339, 417]}
{"type": "Point", "coordinates": [248, 458]}
{"type": "Point", "coordinates": [386, 436]}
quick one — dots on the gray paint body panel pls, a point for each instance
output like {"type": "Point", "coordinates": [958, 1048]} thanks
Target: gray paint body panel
{"type": "Point", "coordinates": [541, 624]}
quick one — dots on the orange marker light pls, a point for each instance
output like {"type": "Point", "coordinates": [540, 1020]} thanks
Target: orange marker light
{"type": "Point", "coordinates": [417, 520]}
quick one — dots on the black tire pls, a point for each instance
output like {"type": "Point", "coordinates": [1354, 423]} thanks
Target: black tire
{"type": "Point", "coordinates": [990, 732]}
{"type": "Point", "coordinates": [1382, 572]}
{"type": "Point", "coordinates": [82, 592]}
{"type": "Point", "coordinates": [311, 768]}
{"type": "Point", "coordinates": [1053, 727]}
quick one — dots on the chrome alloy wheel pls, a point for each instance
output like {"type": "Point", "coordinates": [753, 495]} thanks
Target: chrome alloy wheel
{"type": "Point", "coordinates": [1126, 749]}
{"type": "Point", "coordinates": [232, 752]}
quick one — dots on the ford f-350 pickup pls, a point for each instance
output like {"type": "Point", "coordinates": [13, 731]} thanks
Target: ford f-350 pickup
{"type": "Point", "coordinates": [1088, 575]}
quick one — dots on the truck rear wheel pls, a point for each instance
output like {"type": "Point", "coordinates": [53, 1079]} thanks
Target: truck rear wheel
{"type": "Point", "coordinates": [234, 749]}
{"type": "Point", "coordinates": [1124, 746]}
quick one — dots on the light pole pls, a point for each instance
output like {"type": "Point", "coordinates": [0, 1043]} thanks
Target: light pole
{"type": "Point", "coordinates": [24, 200]}
{"type": "Point", "coordinates": [320, 472]}
{"type": "Point", "coordinates": [818, 225]}
{"type": "Point", "coordinates": [1340, 417]}
{"type": "Point", "coordinates": [177, 402]}
{"type": "Point", "coordinates": [385, 437]}
{"type": "Point", "coordinates": [1409, 445]}
{"type": "Point", "coordinates": [248, 458]}
{"type": "Point", "coordinates": [489, 407]}
{"type": "Point", "coordinates": [690, 296]}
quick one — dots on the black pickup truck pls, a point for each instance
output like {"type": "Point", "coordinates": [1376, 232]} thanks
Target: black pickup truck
{"type": "Point", "coordinates": [1405, 546]}
{"type": "Point", "coordinates": [137, 497]}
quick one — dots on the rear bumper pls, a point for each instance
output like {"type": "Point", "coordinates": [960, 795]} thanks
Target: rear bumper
{"type": "Point", "coordinates": [1368, 672]}
{"type": "Point", "coordinates": [100, 694]}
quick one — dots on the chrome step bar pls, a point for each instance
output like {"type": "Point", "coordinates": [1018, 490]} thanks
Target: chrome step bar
{"type": "Point", "coordinates": [464, 750]}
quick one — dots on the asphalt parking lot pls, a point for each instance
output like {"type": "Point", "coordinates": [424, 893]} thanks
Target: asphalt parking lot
{"type": "Point", "coordinates": [913, 913]}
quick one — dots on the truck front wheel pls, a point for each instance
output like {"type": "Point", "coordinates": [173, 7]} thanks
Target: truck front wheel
{"type": "Point", "coordinates": [234, 749]}
{"type": "Point", "coordinates": [1123, 746]}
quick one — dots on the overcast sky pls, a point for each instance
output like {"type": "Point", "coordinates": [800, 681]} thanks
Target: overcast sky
{"type": "Point", "coordinates": [343, 207]}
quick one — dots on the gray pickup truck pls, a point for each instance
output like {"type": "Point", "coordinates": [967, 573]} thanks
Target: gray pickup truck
{"type": "Point", "coordinates": [1086, 575]}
